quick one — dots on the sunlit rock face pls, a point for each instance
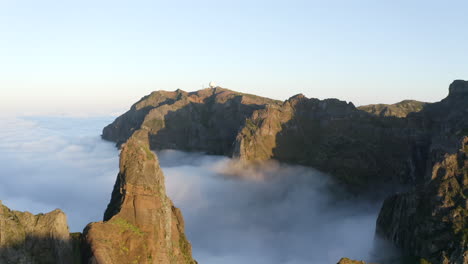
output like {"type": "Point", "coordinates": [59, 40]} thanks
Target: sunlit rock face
{"type": "Point", "coordinates": [141, 225]}
{"type": "Point", "coordinates": [432, 221]}
{"type": "Point", "coordinates": [43, 238]}
{"type": "Point", "coordinates": [350, 261]}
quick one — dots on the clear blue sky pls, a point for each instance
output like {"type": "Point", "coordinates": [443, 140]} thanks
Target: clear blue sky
{"type": "Point", "coordinates": [101, 56]}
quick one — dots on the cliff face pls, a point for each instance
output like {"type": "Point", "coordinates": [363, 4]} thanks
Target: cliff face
{"type": "Point", "coordinates": [358, 148]}
{"type": "Point", "coordinates": [446, 122]}
{"type": "Point", "coordinates": [207, 120]}
{"type": "Point", "coordinates": [432, 221]}
{"type": "Point", "coordinates": [141, 225]}
{"type": "Point", "coordinates": [26, 238]}
{"type": "Point", "coordinates": [401, 109]}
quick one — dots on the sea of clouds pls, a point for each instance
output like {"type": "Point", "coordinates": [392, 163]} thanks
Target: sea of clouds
{"type": "Point", "coordinates": [234, 213]}
{"type": "Point", "coordinates": [57, 162]}
{"type": "Point", "coordinates": [268, 213]}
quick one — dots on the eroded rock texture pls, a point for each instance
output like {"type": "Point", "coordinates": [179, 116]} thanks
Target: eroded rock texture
{"type": "Point", "coordinates": [141, 225]}
{"type": "Point", "coordinates": [40, 239]}
{"type": "Point", "coordinates": [432, 221]}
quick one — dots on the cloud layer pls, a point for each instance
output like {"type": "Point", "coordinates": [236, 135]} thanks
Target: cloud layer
{"type": "Point", "coordinates": [271, 213]}
{"type": "Point", "coordinates": [57, 162]}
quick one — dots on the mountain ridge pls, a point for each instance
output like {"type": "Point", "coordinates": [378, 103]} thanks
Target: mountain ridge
{"type": "Point", "coordinates": [366, 148]}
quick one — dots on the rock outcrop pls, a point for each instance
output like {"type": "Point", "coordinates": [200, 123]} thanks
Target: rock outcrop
{"type": "Point", "coordinates": [43, 238]}
{"type": "Point", "coordinates": [141, 225]}
{"type": "Point", "coordinates": [401, 109]}
{"type": "Point", "coordinates": [350, 261]}
{"type": "Point", "coordinates": [432, 221]}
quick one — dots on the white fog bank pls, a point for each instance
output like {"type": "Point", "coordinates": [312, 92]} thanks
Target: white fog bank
{"type": "Point", "coordinates": [57, 162]}
{"type": "Point", "coordinates": [273, 213]}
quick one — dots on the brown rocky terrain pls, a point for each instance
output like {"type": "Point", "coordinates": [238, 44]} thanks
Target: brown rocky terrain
{"type": "Point", "coordinates": [43, 238]}
{"type": "Point", "coordinates": [141, 225]}
{"type": "Point", "coordinates": [330, 135]}
{"type": "Point", "coordinates": [207, 120]}
{"type": "Point", "coordinates": [350, 261]}
{"type": "Point", "coordinates": [374, 146]}
{"type": "Point", "coordinates": [401, 109]}
{"type": "Point", "coordinates": [358, 148]}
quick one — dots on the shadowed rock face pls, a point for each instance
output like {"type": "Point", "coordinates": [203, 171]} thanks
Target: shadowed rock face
{"type": "Point", "coordinates": [432, 221]}
{"type": "Point", "coordinates": [401, 109]}
{"type": "Point", "coordinates": [141, 225]}
{"type": "Point", "coordinates": [26, 238]}
{"type": "Point", "coordinates": [458, 87]}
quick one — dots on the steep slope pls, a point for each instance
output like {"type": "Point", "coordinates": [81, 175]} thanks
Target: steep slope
{"type": "Point", "coordinates": [43, 239]}
{"type": "Point", "coordinates": [432, 221]}
{"type": "Point", "coordinates": [141, 225]}
{"type": "Point", "coordinates": [401, 109]}
{"type": "Point", "coordinates": [331, 135]}
{"type": "Point", "coordinates": [446, 121]}
{"type": "Point", "coordinates": [207, 120]}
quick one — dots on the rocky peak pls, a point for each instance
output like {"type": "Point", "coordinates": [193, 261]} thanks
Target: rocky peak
{"type": "Point", "coordinates": [139, 173]}
{"type": "Point", "coordinates": [41, 238]}
{"type": "Point", "coordinates": [141, 225]}
{"type": "Point", "coordinates": [297, 97]}
{"type": "Point", "coordinates": [458, 87]}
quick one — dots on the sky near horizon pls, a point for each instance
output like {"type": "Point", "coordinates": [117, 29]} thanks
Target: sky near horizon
{"type": "Point", "coordinates": [99, 57]}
